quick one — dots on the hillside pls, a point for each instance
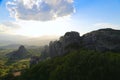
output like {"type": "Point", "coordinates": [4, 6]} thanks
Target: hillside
{"type": "Point", "coordinates": [102, 40]}
{"type": "Point", "coordinates": [77, 65]}
{"type": "Point", "coordinates": [93, 56]}
{"type": "Point", "coordinates": [21, 53]}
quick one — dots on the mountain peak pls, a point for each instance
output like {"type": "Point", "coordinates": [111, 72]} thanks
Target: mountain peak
{"type": "Point", "coordinates": [72, 33]}
{"type": "Point", "coordinates": [21, 53]}
{"type": "Point", "coordinates": [22, 49]}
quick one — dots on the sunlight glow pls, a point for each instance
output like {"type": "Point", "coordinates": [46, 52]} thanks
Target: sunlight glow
{"type": "Point", "coordinates": [36, 28]}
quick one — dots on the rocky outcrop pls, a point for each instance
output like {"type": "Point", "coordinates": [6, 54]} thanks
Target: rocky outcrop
{"type": "Point", "coordinates": [34, 60]}
{"type": "Point", "coordinates": [65, 44]}
{"type": "Point", "coordinates": [70, 41]}
{"type": "Point", "coordinates": [21, 53]}
{"type": "Point", "coordinates": [102, 40]}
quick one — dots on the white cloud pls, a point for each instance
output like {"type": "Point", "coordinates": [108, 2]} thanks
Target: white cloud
{"type": "Point", "coordinates": [106, 25]}
{"type": "Point", "coordinates": [42, 10]}
{"type": "Point", "coordinates": [8, 27]}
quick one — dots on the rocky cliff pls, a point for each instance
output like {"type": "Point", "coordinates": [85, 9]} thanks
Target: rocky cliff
{"type": "Point", "coordinates": [65, 44]}
{"type": "Point", "coordinates": [99, 40]}
{"type": "Point", "coordinates": [102, 40]}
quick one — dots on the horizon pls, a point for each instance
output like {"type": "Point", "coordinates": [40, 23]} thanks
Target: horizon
{"type": "Point", "coordinates": [40, 18]}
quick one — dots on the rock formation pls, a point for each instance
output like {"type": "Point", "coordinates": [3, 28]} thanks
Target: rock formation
{"type": "Point", "coordinates": [62, 46]}
{"type": "Point", "coordinates": [99, 40]}
{"type": "Point", "coordinates": [102, 40]}
{"type": "Point", "coordinates": [21, 53]}
{"type": "Point", "coordinates": [34, 60]}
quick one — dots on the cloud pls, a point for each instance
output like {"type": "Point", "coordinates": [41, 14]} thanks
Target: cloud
{"type": "Point", "coordinates": [106, 25]}
{"type": "Point", "coordinates": [43, 10]}
{"type": "Point", "coordinates": [8, 27]}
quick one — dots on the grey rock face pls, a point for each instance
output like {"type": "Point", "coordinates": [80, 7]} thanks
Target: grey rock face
{"type": "Point", "coordinates": [70, 41]}
{"type": "Point", "coordinates": [102, 40]}
{"type": "Point", "coordinates": [62, 46]}
{"type": "Point", "coordinates": [34, 60]}
{"type": "Point", "coordinates": [21, 50]}
{"type": "Point", "coordinates": [21, 53]}
{"type": "Point", "coordinates": [99, 40]}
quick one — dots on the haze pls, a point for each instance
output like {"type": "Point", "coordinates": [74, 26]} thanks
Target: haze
{"type": "Point", "coordinates": [34, 21]}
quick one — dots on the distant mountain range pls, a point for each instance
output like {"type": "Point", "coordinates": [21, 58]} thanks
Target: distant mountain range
{"type": "Point", "coordinates": [12, 42]}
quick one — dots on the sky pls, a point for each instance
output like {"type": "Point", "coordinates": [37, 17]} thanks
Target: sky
{"type": "Point", "coordinates": [34, 18]}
